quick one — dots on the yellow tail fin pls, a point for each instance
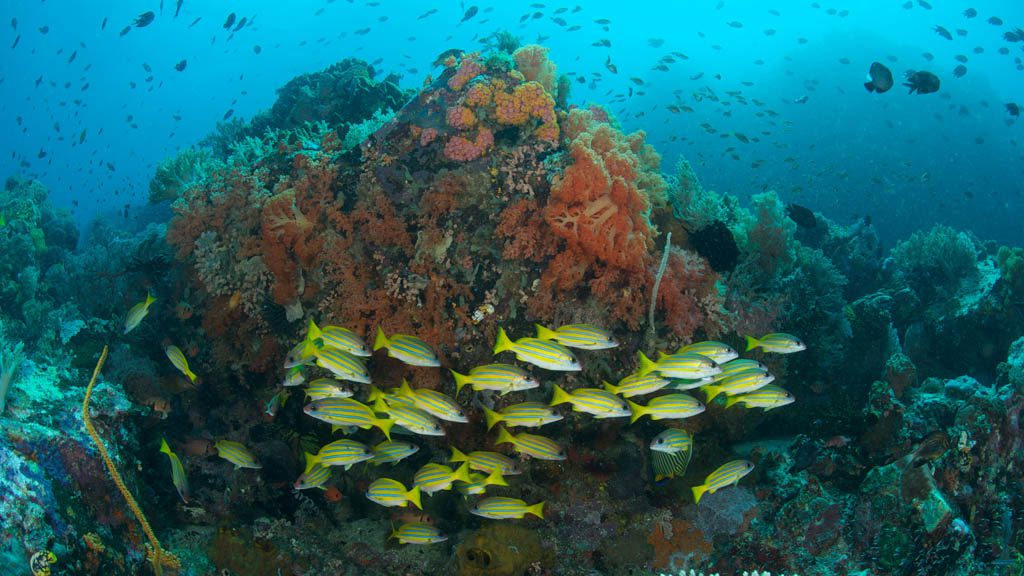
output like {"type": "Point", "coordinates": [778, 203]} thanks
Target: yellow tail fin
{"type": "Point", "coordinates": [385, 425]}
{"type": "Point", "coordinates": [609, 387]}
{"type": "Point", "coordinates": [381, 341]}
{"type": "Point", "coordinates": [460, 380]}
{"type": "Point", "coordinates": [545, 333]}
{"type": "Point", "coordinates": [504, 437]}
{"type": "Point", "coordinates": [502, 343]}
{"type": "Point", "coordinates": [636, 411]}
{"type": "Point", "coordinates": [164, 447]}
{"type": "Point", "coordinates": [406, 390]}
{"type": "Point", "coordinates": [314, 336]}
{"type": "Point", "coordinates": [495, 478]}
{"type": "Point", "coordinates": [462, 474]}
{"type": "Point", "coordinates": [698, 491]}
{"type": "Point", "coordinates": [560, 396]}
{"type": "Point", "coordinates": [414, 497]}
{"type": "Point", "coordinates": [732, 400]}
{"type": "Point", "coordinates": [646, 364]}
{"type": "Point", "coordinates": [458, 456]}
{"type": "Point", "coordinates": [311, 460]}
{"type": "Point", "coordinates": [537, 510]}
{"type": "Point", "coordinates": [752, 343]}
{"type": "Point", "coordinates": [713, 391]}
{"type": "Point", "coordinates": [492, 417]}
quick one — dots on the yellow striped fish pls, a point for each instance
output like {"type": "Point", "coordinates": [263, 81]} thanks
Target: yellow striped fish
{"type": "Point", "coordinates": [739, 384]}
{"type": "Point", "coordinates": [637, 385]}
{"type": "Point", "coordinates": [542, 353]}
{"type": "Point", "coordinates": [594, 401]}
{"type": "Point", "coordinates": [686, 366]}
{"type": "Point", "coordinates": [381, 399]}
{"type": "Point", "coordinates": [433, 477]}
{"type": "Point", "coordinates": [314, 477]}
{"type": "Point", "coordinates": [738, 365]}
{"type": "Point", "coordinates": [778, 342]}
{"type": "Point", "coordinates": [503, 378]}
{"type": "Point", "coordinates": [392, 451]}
{"type": "Point", "coordinates": [670, 406]}
{"type": "Point", "coordinates": [301, 354]}
{"type": "Point", "coordinates": [767, 397]}
{"type": "Point", "coordinates": [342, 364]}
{"type": "Point", "coordinates": [390, 493]}
{"type": "Point", "coordinates": [237, 454]}
{"type": "Point", "coordinates": [717, 351]}
{"type": "Point", "coordinates": [327, 388]}
{"type": "Point", "coordinates": [670, 453]}
{"type": "Point", "coordinates": [347, 412]}
{"type": "Point", "coordinates": [529, 414]}
{"type": "Point", "coordinates": [177, 358]}
{"type": "Point", "coordinates": [728, 474]}
{"type": "Point", "coordinates": [413, 419]}
{"type": "Point", "coordinates": [342, 452]}
{"type": "Point", "coordinates": [478, 483]}
{"type": "Point", "coordinates": [532, 445]}
{"type": "Point", "coordinates": [672, 440]}
{"type": "Point", "coordinates": [487, 461]}
{"type": "Point", "coordinates": [417, 533]}
{"type": "Point", "coordinates": [137, 313]}
{"type": "Point", "coordinates": [178, 477]}
{"type": "Point", "coordinates": [337, 337]}
{"type": "Point", "coordinates": [498, 507]}
{"type": "Point", "coordinates": [581, 336]}
{"type": "Point", "coordinates": [434, 403]}
{"type": "Point", "coordinates": [293, 377]}
{"type": "Point", "coordinates": [688, 384]}
{"type": "Point", "coordinates": [409, 349]}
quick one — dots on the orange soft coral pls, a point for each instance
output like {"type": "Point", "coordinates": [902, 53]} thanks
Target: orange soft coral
{"type": "Point", "coordinates": [533, 63]}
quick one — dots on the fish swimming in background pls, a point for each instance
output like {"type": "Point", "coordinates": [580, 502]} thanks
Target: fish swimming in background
{"type": "Point", "coordinates": [922, 82]}
{"type": "Point", "coordinates": [293, 377]}
{"type": "Point", "coordinates": [344, 452]}
{"type": "Point", "coordinates": [960, 71]}
{"type": "Point", "coordinates": [144, 19]}
{"type": "Point", "coordinates": [766, 397]}
{"type": "Point", "coordinates": [728, 474]}
{"type": "Point", "coordinates": [1013, 108]}
{"type": "Point", "coordinates": [581, 336]}
{"type": "Point", "coordinates": [275, 403]}
{"type": "Point", "coordinates": [687, 365]}
{"type": "Point", "coordinates": [314, 477]}
{"type": "Point", "coordinates": [594, 401]}
{"type": "Point", "coordinates": [778, 342]}
{"type": "Point", "coordinates": [409, 349]}
{"type": "Point", "coordinates": [417, 533]}
{"type": "Point", "coordinates": [178, 477]}
{"type": "Point", "coordinates": [433, 477]}
{"type": "Point", "coordinates": [803, 217]}
{"type": "Point", "coordinates": [532, 445]}
{"type": "Point", "coordinates": [437, 404]}
{"type": "Point", "coordinates": [327, 388]}
{"type": "Point", "coordinates": [391, 451]}
{"type": "Point", "coordinates": [137, 313]}
{"type": "Point", "coordinates": [541, 353]}
{"type": "Point", "coordinates": [667, 407]}
{"type": "Point", "coordinates": [500, 507]}
{"type": "Point", "coordinates": [348, 412]}
{"type": "Point", "coordinates": [478, 483]}
{"type": "Point", "coordinates": [472, 11]}
{"type": "Point", "coordinates": [486, 461]}
{"type": "Point", "coordinates": [178, 359]}
{"type": "Point", "coordinates": [337, 337]}
{"type": "Point", "coordinates": [177, 7]}
{"type": "Point", "coordinates": [717, 351]}
{"type": "Point", "coordinates": [237, 454]}
{"type": "Point", "coordinates": [741, 383]}
{"type": "Point", "coordinates": [503, 378]}
{"type": "Point", "coordinates": [180, 66]}
{"type": "Point", "coordinates": [343, 365]}
{"type": "Point", "coordinates": [738, 365]}
{"type": "Point", "coordinates": [526, 414]}
{"type": "Point", "coordinates": [230, 20]}
{"type": "Point", "coordinates": [943, 32]}
{"type": "Point", "coordinates": [411, 418]}
{"type": "Point", "coordinates": [637, 385]}
{"type": "Point", "coordinates": [391, 493]}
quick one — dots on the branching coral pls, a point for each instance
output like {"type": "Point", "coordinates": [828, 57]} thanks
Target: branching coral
{"type": "Point", "coordinates": [176, 173]}
{"type": "Point", "coordinates": [160, 558]}
{"type": "Point", "coordinates": [937, 261]}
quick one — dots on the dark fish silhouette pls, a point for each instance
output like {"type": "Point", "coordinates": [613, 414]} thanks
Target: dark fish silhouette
{"type": "Point", "coordinates": [803, 216]}
{"type": "Point", "coordinates": [125, 30]}
{"type": "Point", "coordinates": [1013, 109]}
{"type": "Point", "coordinates": [960, 71]}
{"type": "Point", "coordinates": [469, 13]}
{"type": "Point", "coordinates": [180, 66]}
{"type": "Point", "coordinates": [922, 82]}
{"type": "Point", "coordinates": [970, 13]}
{"type": "Point", "coordinates": [716, 243]}
{"type": "Point", "coordinates": [240, 24]}
{"type": "Point", "coordinates": [881, 78]}
{"type": "Point", "coordinates": [196, 21]}
{"type": "Point", "coordinates": [943, 32]}
{"type": "Point", "coordinates": [177, 8]}
{"type": "Point", "coordinates": [1014, 35]}
{"type": "Point", "coordinates": [144, 19]}
{"type": "Point", "coordinates": [103, 25]}
{"type": "Point", "coordinates": [995, 21]}
{"type": "Point", "coordinates": [229, 21]}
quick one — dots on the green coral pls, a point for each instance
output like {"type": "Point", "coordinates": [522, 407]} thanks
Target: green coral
{"type": "Point", "coordinates": [175, 174]}
{"type": "Point", "coordinates": [1011, 266]}
{"type": "Point", "coordinates": [358, 133]}
{"type": "Point", "coordinates": [936, 262]}
{"type": "Point", "coordinates": [11, 357]}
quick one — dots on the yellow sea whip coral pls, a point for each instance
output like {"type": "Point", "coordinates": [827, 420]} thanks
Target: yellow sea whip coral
{"type": "Point", "coordinates": [159, 557]}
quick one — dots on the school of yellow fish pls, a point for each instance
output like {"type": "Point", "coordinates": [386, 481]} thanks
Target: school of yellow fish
{"type": "Point", "coordinates": [712, 367]}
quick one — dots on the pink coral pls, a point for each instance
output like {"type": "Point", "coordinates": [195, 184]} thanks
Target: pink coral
{"type": "Point", "coordinates": [460, 117]}
{"type": "Point", "coordinates": [461, 149]}
{"type": "Point", "coordinates": [533, 63]}
{"type": "Point", "coordinates": [427, 136]}
{"type": "Point", "coordinates": [469, 68]}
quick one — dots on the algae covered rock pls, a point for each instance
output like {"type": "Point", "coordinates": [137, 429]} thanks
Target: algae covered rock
{"type": "Point", "coordinates": [499, 550]}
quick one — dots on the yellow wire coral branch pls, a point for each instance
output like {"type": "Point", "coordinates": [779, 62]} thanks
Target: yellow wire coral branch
{"type": "Point", "coordinates": [159, 556]}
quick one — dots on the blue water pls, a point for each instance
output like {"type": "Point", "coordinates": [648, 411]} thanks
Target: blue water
{"type": "Point", "coordinates": [907, 161]}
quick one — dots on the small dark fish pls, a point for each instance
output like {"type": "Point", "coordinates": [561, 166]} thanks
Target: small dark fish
{"type": "Point", "coordinates": [803, 217]}
{"type": "Point", "coordinates": [125, 30]}
{"type": "Point", "coordinates": [922, 82]}
{"type": "Point", "coordinates": [800, 100]}
{"type": "Point", "coordinates": [844, 60]}
{"type": "Point", "coordinates": [241, 23]}
{"type": "Point", "coordinates": [960, 71]}
{"type": "Point", "coordinates": [103, 25]}
{"type": "Point", "coordinates": [14, 23]}
{"type": "Point", "coordinates": [428, 13]}
{"type": "Point", "coordinates": [196, 21]}
{"type": "Point", "coordinates": [144, 19]}
{"type": "Point", "coordinates": [256, 49]}
{"type": "Point", "coordinates": [881, 78]}
{"type": "Point", "coordinates": [960, 58]}
{"type": "Point", "coordinates": [1014, 35]}
{"type": "Point", "coordinates": [44, 29]}
{"type": "Point", "coordinates": [928, 56]}
{"type": "Point", "coordinates": [1013, 109]}
{"type": "Point", "coordinates": [924, 4]}
{"type": "Point", "coordinates": [469, 13]}
{"type": "Point", "coordinates": [602, 21]}
{"type": "Point", "coordinates": [655, 42]}
{"type": "Point", "coordinates": [177, 8]}
{"type": "Point", "coordinates": [943, 32]}
{"type": "Point", "coordinates": [15, 45]}
{"type": "Point", "coordinates": [908, 5]}
{"type": "Point", "coordinates": [735, 24]}
{"type": "Point", "coordinates": [362, 32]}
{"type": "Point", "coordinates": [995, 21]}
{"type": "Point", "coordinates": [970, 13]}
{"type": "Point", "coordinates": [611, 67]}
{"type": "Point", "coordinates": [73, 56]}
{"type": "Point", "coordinates": [228, 114]}
{"type": "Point", "coordinates": [180, 66]}
{"type": "Point", "coordinates": [603, 42]}
{"type": "Point", "coordinates": [229, 21]}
